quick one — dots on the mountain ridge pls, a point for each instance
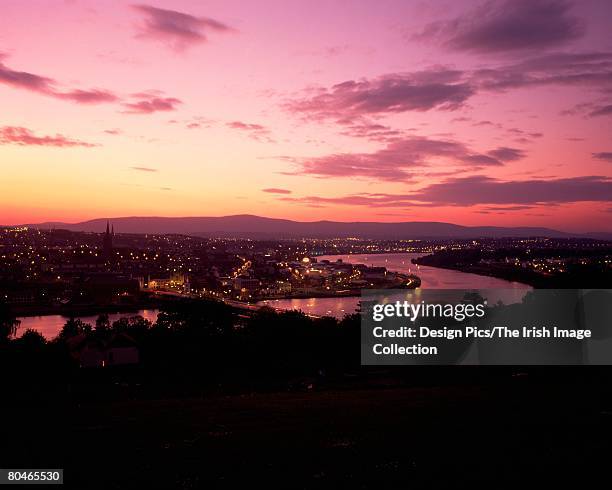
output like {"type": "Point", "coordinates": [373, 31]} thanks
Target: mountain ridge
{"type": "Point", "coordinates": [251, 226]}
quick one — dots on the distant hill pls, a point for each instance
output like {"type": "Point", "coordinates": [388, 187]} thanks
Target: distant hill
{"type": "Point", "coordinates": [260, 227]}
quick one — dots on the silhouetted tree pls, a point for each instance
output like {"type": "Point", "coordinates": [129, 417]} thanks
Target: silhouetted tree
{"type": "Point", "coordinates": [136, 326]}
{"type": "Point", "coordinates": [73, 327]}
{"type": "Point", "coordinates": [103, 324]}
{"type": "Point", "coordinates": [8, 323]}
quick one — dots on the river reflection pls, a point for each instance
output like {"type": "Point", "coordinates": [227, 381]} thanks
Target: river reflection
{"type": "Point", "coordinates": [431, 278]}
{"type": "Point", "coordinates": [50, 325]}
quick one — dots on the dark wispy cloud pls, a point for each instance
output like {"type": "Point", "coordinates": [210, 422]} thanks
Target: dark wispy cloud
{"type": "Point", "coordinates": [508, 208]}
{"type": "Point", "coordinates": [276, 190]}
{"type": "Point", "coordinates": [496, 195]}
{"type": "Point", "coordinates": [442, 88]}
{"type": "Point", "coordinates": [144, 169]}
{"type": "Point", "coordinates": [178, 30]}
{"type": "Point", "coordinates": [400, 158]}
{"type": "Point", "coordinates": [113, 132]}
{"type": "Point", "coordinates": [150, 102]}
{"type": "Point", "coordinates": [507, 26]}
{"type": "Point", "coordinates": [48, 86]}
{"type": "Point", "coordinates": [579, 69]}
{"type": "Point", "coordinates": [363, 199]}
{"type": "Point", "coordinates": [363, 128]}
{"type": "Point", "coordinates": [397, 92]}
{"type": "Point", "coordinates": [88, 96]}
{"type": "Point", "coordinates": [24, 79]}
{"type": "Point", "coordinates": [468, 191]}
{"type": "Point", "coordinates": [22, 136]}
{"type": "Point", "coordinates": [603, 155]}
{"type": "Point", "coordinates": [140, 103]}
{"type": "Point", "coordinates": [506, 154]}
{"type": "Point", "coordinates": [605, 110]}
{"type": "Point", "coordinates": [257, 132]}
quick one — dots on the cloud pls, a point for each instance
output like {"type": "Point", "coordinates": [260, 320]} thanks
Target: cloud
{"type": "Point", "coordinates": [400, 158]}
{"type": "Point", "coordinates": [25, 80]}
{"type": "Point", "coordinates": [506, 154]}
{"type": "Point", "coordinates": [245, 126]}
{"type": "Point", "coordinates": [24, 137]}
{"type": "Point", "coordinates": [603, 155]}
{"type": "Point", "coordinates": [88, 96]}
{"type": "Point", "coordinates": [144, 103]}
{"type": "Point", "coordinates": [397, 92]}
{"type": "Point", "coordinates": [373, 200]}
{"type": "Point", "coordinates": [572, 69]}
{"type": "Point", "coordinates": [150, 102]}
{"type": "Point", "coordinates": [48, 86]}
{"type": "Point", "coordinates": [443, 88]}
{"type": "Point", "coordinates": [496, 195]}
{"type": "Point", "coordinates": [113, 132]}
{"type": "Point", "coordinates": [177, 29]}
{"type": "Point", "coordinates": [368, 130]}
{"type": "Point", "coordinates": [469, 191]}
{"type": "Point", "coordinates": [508, 208]}
{"type": "Point", "coordinates": [144, 169]}
{"type": "Point", "coordinates": [602, 111]}
{"type": "Point", "coordinates": [365, 199]}
{"type": "Point", "coordinates": [255, 131]}
{"type": "Point", "coordinates": [274, 190]}
{"type": "Point", "coordinates": [506, 26]}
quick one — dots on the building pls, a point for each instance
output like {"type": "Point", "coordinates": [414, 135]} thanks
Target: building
{"type": "Point", "coordinates": [374, 273]}
{"type": "Point", "coordinates": [120, 350]}
{"type": "Point", "coordinates": [246, 283]}
{"type": "Point", "coordinates": [107, 242]}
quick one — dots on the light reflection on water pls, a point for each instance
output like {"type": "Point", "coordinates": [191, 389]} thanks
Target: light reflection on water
{"type": "Point", "coordinates": [431, 278]}
{"type": "Point", "coordinates": [50, 325]}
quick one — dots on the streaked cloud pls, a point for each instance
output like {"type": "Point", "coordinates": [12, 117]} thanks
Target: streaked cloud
{"type": "Point", "coordinates": [605, 110]}
{"type": "Point", "coordinates": [603, 155]}
{"type": "Point", "coordinates": [502, 26]}
{"type": "Point", "coordinates": [150, 102]}
{"type": "Point", "coordinates": [498, 195]}
{"type": "Point", "coordinates": [17, 135]}
{"type": "Point", "coordinates": [275, 190]}
{"type": "Point", "coordinates": [178, 30]}
{"type": "Point", "coordinates": [401, 158]}
{"type": "Point", "coordinates": [48, 86]}
{"type": "Point", "coordinates": [441, 89]}
{"type": "Point", "coordinates": [257, 132]}
{"type": "Point", "coordinates": [468, 191]}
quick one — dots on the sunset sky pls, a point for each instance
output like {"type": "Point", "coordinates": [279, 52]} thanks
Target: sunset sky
{"type": "Point", "coordinates": [471, 112]}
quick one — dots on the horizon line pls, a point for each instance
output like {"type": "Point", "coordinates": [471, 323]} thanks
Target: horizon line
{"type": "Point", "coordinates": [247, 215]}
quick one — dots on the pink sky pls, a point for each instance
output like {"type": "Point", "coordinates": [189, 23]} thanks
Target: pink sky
{"type": "Point", "coordinates": [477, 113]}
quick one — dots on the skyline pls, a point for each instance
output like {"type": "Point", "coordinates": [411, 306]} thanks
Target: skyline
{"type": "Point", "coordinates": [399, 111]}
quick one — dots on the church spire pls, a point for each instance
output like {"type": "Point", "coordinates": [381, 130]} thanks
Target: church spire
{"type": "Point", "coordinates": [107, 242]}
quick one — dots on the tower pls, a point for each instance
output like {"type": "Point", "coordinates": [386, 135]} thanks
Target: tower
{"type": "Point", "coordinates": [107, 243]}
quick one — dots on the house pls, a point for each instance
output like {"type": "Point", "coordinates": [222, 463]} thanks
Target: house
{"type": "Point", "coordinates": [119, 350]}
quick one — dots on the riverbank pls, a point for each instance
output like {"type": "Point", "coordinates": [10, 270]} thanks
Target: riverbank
{"type": "Point", "coordinates": [506, 273]}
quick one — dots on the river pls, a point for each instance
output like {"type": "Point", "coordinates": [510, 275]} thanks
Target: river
{"type": "Point", "coordinates": [431, 278]}
{"type": "Point", "coordinates": [50, 325]}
